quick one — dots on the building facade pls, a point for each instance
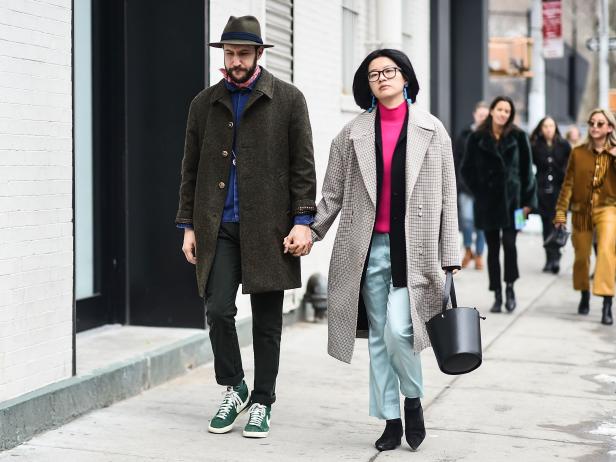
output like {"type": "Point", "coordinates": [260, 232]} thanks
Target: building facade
{"type": "Point", "coordinates": [93, 102]}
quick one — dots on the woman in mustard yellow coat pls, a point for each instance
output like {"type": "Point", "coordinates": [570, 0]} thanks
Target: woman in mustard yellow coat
{"type": "Point", "coordinates": [589, 190]}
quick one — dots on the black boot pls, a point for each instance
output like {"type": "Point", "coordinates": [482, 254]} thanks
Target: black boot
{"type": "Point", "coordinates": [415, 430]}
{"type": "Point", "coordinates": [391, 437]}
{"type": "Point", "coordinates": [548, 262]}
{"type": "Point", "coordinates": [556, 261]}
{"type": "Point", "coordinates": [510, 302]}
{"type": "Point", "coordinates": [606, 316]}
{"type": "Point", "coordinates": [584, 306]}
{"type": "Point", "coordinates": [498, 301]}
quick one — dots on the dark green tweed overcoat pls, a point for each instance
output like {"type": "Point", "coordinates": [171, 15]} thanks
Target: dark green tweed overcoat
{"type": "Point", "coordinates": [275, 171]}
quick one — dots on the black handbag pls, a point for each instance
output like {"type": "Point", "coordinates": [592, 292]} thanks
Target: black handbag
{"type": "Point", "coordinates": [455, 334]}
{"type": "Point", "coordinates": [557, 238]}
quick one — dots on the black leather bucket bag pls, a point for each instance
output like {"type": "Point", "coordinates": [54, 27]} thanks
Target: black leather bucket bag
{"type": "Point", "coordinates": [455, 334]}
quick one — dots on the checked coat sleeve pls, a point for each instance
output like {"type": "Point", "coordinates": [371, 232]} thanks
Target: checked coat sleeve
{"type": "Point", "coordinates": [448, 244]}
{"type": "Point", "coordinates": [332, 191]}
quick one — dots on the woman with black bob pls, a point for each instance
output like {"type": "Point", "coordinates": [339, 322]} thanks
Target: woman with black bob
{"type": "Point", "coordinates": [497, 167]}
{"type": "Point", "coordinates": [550, 156]}
{"type": "Point", "coordinates": [391, 178]}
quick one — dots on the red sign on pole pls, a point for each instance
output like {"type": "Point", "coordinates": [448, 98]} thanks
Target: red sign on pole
{"type": "Point", "coordinates": [553, 45]}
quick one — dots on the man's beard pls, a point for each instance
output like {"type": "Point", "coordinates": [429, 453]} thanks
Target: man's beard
{"type": "Point", "coordinates": [250, 71]}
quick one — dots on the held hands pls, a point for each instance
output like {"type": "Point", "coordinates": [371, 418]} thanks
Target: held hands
{"type": "Point", "coordinates": [189, 247]}
{"type": "Point", "coordinates": [299, 241]}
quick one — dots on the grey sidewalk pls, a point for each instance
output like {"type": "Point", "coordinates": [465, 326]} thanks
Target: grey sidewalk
{"type": "Point", "coordinates": [546, 391]}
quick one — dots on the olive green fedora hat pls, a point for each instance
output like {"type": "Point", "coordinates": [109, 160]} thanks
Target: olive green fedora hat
{"type": "Point", "coordinates": [244, 30]}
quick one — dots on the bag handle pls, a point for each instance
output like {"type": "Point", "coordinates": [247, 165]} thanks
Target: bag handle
{"type": "Point", "coordinates": [449, 291]}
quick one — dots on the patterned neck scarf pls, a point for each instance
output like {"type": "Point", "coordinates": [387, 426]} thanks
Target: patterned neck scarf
{"type": "Point", "coordinates": [246, 84]}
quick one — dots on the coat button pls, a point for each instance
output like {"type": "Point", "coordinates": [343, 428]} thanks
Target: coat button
{"type": "Point", "coordinates": [221, 185]}
{"type": "Point", "coordinates": [230, 125]}
{"type": "Point", "coordinates": [225, 153]}
{"type": "Point", "coordinates": [419, 214]}
{"type": "Point", "coordinates": [420, 206]}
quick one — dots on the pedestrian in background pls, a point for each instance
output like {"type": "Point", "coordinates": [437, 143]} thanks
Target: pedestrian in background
{"type": "Point", "coordinates": [589, 190]}
{"type": "Point", "coordinates": [550, 156]}
{"type": "Point", "coordinates": [236, 218]}
{"type": "Point", "coordinates": [497, 167]}
{"type": "Point", "coordinates": [573, 135]}
{"type": "Point", "coordinates": [465, 196]}
{"type": "Point", "coordinates": [391, 177]}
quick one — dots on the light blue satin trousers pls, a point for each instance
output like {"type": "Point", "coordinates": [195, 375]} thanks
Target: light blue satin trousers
{"type": "Point", "coordinates": [394, 365]}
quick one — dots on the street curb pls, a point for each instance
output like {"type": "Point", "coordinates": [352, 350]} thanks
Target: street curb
{"type": "Point", "coordinates": [56, 404]}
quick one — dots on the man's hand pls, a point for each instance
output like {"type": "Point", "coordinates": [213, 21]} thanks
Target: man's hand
{"type": "Point", "coordinates": [526, 211]}
{"type": "Point", "coordinates": [189, 247]}
{"type": "Point", "coordinates": [299, 241]}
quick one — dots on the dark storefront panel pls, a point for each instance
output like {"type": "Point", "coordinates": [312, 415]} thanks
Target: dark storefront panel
{"type": "Point", "coordinates": [469, 52]}
{"type": "Point", "coordinates": [148, 62]}
{"type": "Point", "coordinates": [164, 71]}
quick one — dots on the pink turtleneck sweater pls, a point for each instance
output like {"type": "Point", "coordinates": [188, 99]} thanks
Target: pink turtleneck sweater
{"type": "Point", "coordinates": [391, 124]}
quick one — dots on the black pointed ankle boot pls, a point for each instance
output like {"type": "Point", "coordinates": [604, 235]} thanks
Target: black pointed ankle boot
{"type": "Point", "coordinates": [498, 301]}
{"type": "Point", "coordinates": [584, 306]}
{"type": "Point", "coordinates": [391, 437]}
{"type": "Point", "coordinates": [415, 430]}
{"type": "Point", "coordinates": [606, 315]}
{"type": "Point", "coordinates": [510, 302]}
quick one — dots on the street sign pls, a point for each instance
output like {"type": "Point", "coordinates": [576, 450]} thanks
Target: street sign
{"type": "Point", "coordinates": [593, 44]}
{"type": "Point", "coordinates": [553, 43]}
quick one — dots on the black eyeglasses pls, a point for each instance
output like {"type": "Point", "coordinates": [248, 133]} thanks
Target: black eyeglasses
{"type": "Point", "coordinates": [388, 73]}
{"type": "Point", "coordinates": [598, 124]}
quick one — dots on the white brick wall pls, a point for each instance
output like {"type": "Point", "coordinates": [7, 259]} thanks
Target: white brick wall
{"type": "Point", "coordinates": [36, 243]}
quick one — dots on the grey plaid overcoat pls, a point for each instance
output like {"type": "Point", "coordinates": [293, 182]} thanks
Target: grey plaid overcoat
{"type": "Point", "coordinates": [431, 223]}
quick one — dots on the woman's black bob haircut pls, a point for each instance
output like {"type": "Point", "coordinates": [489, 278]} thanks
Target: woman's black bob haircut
{"type": "Point", "coordinates": [361, 88]}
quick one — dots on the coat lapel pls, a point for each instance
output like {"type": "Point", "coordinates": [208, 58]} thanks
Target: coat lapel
{"type": "Point", "coordinates": [222, 95]}
{"type": "Point", "coordinates": [363, 138]}
{"type": "Point", "coordinates": [264, 86]}
{"type": "Point", "coordinates": [419, 133]}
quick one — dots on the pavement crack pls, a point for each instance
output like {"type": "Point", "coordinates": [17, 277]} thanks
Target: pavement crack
{"type": "Point", "coordinates": [521, 437]}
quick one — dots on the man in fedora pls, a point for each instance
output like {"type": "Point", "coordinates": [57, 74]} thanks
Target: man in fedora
{"type": "Point", "coordinates": [248, 187]}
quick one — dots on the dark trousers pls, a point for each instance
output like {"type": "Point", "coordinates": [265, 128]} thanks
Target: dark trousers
{"type": "Point", "coordinates": [548, 227]}
{"type": "Point", "coordinates": [494, 240]}
{"type": "Point", "coordinates": [224, 280]}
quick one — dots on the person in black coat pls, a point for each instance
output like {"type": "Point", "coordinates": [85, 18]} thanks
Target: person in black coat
{"type": "Point", "coordinates": [550, 156]}
{"type": "Point", "coordinates": [497, 167]}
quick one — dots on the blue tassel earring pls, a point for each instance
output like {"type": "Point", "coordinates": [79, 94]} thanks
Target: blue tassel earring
{"type": "Point", "coordinates": [405, 92]}
{"type": "Point", "coordinates": [373, 104]}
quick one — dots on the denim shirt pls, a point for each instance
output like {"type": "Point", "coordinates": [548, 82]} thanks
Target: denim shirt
{"type": "Point", "coordinates": [231, 211]}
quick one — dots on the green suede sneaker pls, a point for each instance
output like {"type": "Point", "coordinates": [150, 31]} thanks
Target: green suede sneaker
{"type": "Point", "coordinates": [233, 404]}
{"type": "Point", "coordinates": [258, 422]}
